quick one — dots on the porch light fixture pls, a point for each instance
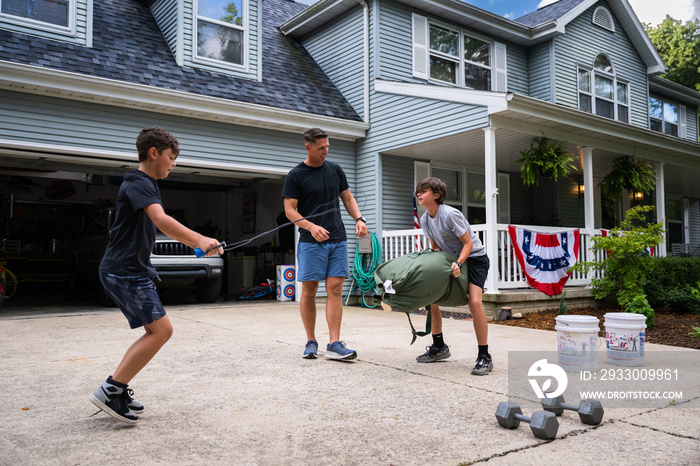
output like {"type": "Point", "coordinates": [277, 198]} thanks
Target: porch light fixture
{"type": "Point", "coordinates": [638, 195]}
{"type": "Point", "coordinates": [581, 190]}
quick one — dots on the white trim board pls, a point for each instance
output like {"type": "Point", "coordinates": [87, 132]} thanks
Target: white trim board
{"type": "Point", "coordinates": [495, 101]}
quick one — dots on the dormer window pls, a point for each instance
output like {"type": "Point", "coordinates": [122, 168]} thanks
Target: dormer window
{"type": "Point", "coordinates": [221, 27]}
{"type": "Point", "coordinates": [51, 13]}
{"type": "Point", "coordinates": [601, 92]}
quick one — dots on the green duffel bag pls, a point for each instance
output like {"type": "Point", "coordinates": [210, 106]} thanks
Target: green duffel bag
{"type": "Point", "coordinates": [419, 279]}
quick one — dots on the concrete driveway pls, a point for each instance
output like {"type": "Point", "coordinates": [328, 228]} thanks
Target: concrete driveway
{"type": "Point", "coordinates": [231, 387]}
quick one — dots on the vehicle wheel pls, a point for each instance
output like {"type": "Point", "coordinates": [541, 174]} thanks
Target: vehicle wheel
{"type": "Point", "coordinates": [106, 299]}
{"type": "Point", "coordinates": [208, 289]}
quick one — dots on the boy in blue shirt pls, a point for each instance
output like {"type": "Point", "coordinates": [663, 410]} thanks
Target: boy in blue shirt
{"type": "Point", "coordinates": [449, 231]}
{"type": "Point", "coordinates": [126, 271]}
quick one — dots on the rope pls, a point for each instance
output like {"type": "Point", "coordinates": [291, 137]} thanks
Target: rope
{"type": "Point", "coordinates": [363, 270]}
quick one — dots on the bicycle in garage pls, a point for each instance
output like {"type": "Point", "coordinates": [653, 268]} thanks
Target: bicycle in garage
{"type": "Point", "coordinates": [8, 283]}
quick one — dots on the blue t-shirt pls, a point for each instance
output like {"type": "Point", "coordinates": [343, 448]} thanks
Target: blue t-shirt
{"type": "Point", "coordinates": [133, 233]}
{"type": "Point", "coordinates": [315, 189]}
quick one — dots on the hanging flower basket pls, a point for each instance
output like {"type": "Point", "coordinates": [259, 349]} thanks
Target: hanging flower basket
{"type": "Point", "coordinates": [630, 174]}
{"type": "Point", "coordinates": [547, 159]}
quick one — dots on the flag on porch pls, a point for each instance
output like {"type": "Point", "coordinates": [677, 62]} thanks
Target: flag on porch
{"type": "Point", "coordinates": [545, 257]}
{"type": "Point", "coordinates": [417, 245]}
{"type": "Point", "coordinates": [604, 232]}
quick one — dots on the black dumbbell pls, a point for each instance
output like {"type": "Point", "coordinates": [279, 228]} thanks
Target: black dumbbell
{"type": "Point", "coordinates": [589, 411]}
{"type": "Point", "coordinates": [543, 424]}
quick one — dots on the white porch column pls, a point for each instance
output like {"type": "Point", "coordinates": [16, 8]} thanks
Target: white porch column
{"type": "Point", "coordinates": [589, 185]}
{"type": "Point", "coordinates": [491, 176]}
{"type": "Point", "coordinates": [661, 203]}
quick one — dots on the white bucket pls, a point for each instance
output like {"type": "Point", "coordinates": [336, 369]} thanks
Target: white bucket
{"type": "Point", "coordinates": [577, 342]}
{"type": "Point", "coordinates": [624, 337]}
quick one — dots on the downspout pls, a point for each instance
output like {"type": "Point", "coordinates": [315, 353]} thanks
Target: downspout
{"type": "Point", "coordinates": [365, 14]}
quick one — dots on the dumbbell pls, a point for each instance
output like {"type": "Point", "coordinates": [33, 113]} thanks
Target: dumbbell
{"type": "Point", "coordinates": [543, 424]}
{"type": "Point", "coordinates": [589, 411]}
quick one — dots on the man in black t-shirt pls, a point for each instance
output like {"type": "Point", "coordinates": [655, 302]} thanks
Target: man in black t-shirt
{"type": "Point", "coordinates": [311, 187]}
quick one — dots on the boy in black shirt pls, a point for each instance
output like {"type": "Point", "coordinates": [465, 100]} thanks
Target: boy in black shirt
{"type": "Point", "coordinates": [126, 271]}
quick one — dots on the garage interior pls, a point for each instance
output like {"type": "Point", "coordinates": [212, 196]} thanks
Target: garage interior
{"type": "Point", "coordinates": [47, 199]}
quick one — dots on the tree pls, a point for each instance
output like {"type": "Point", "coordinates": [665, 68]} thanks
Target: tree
{"type": "Point", "coordinates": [679, 46]}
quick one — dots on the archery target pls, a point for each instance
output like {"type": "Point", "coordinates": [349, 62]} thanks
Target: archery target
{"type": "Point", "coordinates": [286, 275]}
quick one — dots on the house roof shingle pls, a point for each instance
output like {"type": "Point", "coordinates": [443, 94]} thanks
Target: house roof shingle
{"type": "Point", "coordinates": [547, 13]}
{"type": "Point", "coordinates": [128, 46]}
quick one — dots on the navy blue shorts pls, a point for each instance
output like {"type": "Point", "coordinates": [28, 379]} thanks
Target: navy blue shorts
{"type": "Point", "coordinates": [317, 261]}
{"type": "Point", "coordinates": [478, 269]}
{"type": "Point", "coordinates": [135, 296]}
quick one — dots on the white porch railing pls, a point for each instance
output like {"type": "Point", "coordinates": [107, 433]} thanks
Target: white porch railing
{"type": "Point", "coordinates": [510, 275]}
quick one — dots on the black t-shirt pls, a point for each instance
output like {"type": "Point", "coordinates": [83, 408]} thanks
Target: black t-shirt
{"type": "Point", "coordinates": [315, 189]}
{"type": "Point", "coordinates": [133, 233]}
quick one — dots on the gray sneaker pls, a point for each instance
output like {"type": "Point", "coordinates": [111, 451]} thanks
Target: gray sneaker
{"type": "Point", "coordinates": [114, 401]}
{"type": "Point", "coordinates": [433, 354]}
{"type": "Point", "coordinates": [483, 366]}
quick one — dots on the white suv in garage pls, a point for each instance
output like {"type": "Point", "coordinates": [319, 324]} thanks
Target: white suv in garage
{"type": "Point", "coordinates": [176, 264]}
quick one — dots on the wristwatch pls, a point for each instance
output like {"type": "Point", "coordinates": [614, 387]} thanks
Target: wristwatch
{"type": "Point", "coordinates": [459, 264]}
{"type": "Point", "coordinates": [360, 219]}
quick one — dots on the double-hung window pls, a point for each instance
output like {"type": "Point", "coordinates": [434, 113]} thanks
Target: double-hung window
{"type": "Point", "coordinates": [459, 58]}
{"type": "Point", "coordinates": [48, 13]}
{"type": "Point", "coordinates": [663, 116]}
{"type": "Point", "coordinates": [221, 27]}
{"type": "Point", "coordinates": [601, 92]}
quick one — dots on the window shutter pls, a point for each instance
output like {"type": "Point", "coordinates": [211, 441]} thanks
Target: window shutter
{"type": "Point", "coordinates": [503, 198]}
{"type": "Point", "coordinates": [421, 170]}
{"type": "Point", "coordinates": [420, 46]}
{"type": "Point", "coordinates": [501, 82]}
{"type": "Point", "coordinates": [682, 124]}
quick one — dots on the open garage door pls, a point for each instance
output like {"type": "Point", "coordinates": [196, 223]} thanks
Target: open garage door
{"type": "Point", "coordinates": [48, 195]}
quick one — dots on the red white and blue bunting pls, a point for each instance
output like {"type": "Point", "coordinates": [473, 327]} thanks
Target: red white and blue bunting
{"type": "Point", "coordinates": [545, 258]}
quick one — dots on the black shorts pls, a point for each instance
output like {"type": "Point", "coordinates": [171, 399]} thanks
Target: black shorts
{"type": "Point", "coordinates": [478, 269]}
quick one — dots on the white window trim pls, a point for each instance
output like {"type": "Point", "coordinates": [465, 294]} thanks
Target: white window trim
{"type": "Point", "coordinates": [70, 30]}
{"type": "Point", "coordinates": [460, 60]}
{"type": "Point", "coordinates": [592, 73]}
{"type": "Point", "coordinates": [220, 63]}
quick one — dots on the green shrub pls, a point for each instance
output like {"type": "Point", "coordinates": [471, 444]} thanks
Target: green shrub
{"type": "Point", "coordinates": [627, 265]}
{"type": "Point", "coordinates": [680, 299]}
{"type": "Point", "coordinates": [639, 305]}
{"type": "Point", "coordinates": [671, 282]}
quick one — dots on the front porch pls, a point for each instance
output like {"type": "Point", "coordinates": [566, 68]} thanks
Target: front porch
{"type": "Point", "coordinates": [506, 286]}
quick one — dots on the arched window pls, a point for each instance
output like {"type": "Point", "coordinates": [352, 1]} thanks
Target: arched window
{"type": "Point", "coordinates": [601, 92]}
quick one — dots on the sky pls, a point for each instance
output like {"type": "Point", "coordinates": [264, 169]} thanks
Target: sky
{"type": "Point", "coordinates": [648, 11]}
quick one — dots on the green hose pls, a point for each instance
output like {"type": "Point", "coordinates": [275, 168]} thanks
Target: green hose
{"type": "Point", "coordinates": [364, 267]}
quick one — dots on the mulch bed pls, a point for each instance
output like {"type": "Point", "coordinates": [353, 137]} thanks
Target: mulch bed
{"type": "Point", "coordinates": [670, 328]}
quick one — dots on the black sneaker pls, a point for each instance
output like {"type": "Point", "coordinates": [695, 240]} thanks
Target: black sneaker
{"type": "Point", "coordinates": [483, 366]}
{"type": "Point", "coordinates": [433, 354]}
{"type": "Point", "coordinates": [114, 401]}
